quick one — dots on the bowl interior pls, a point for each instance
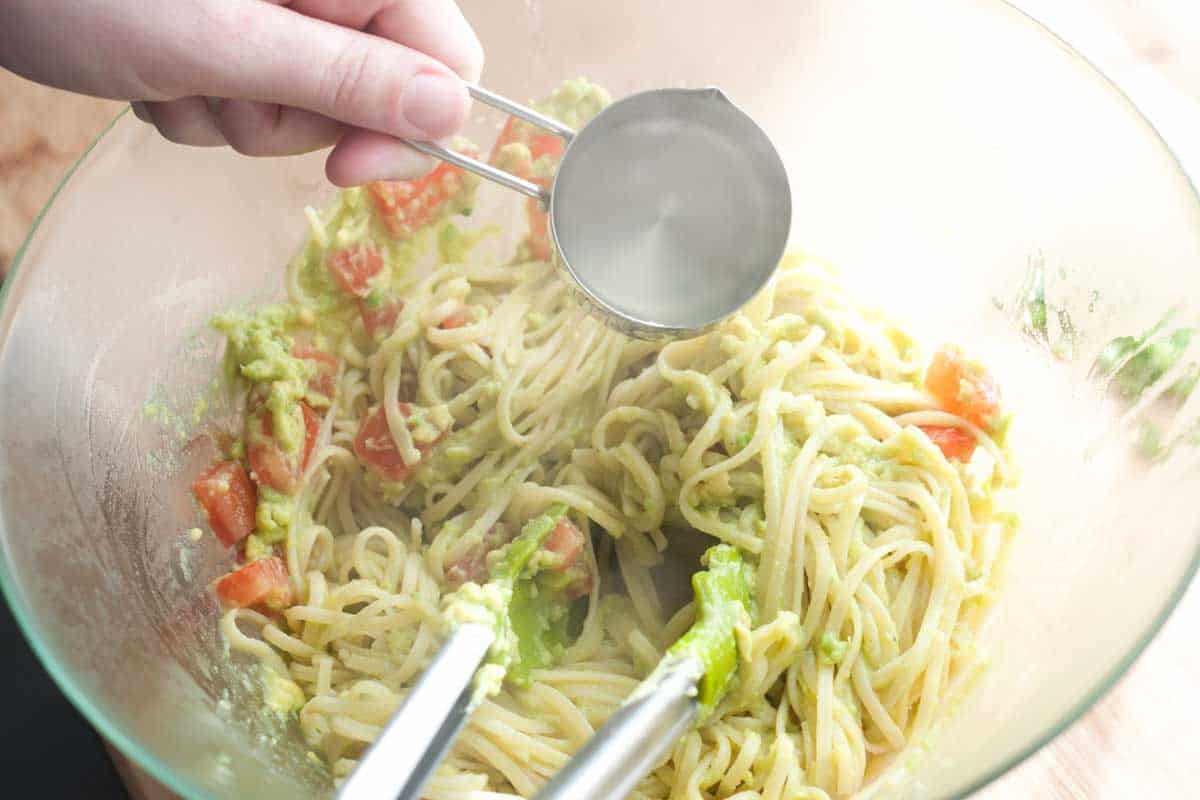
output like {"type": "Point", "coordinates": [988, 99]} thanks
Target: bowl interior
{"type": "Point", "coordinates": [934, 156]}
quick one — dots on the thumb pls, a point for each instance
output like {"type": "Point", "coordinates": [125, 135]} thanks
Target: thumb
{"type": "Point", "coordinates": [251, 50]}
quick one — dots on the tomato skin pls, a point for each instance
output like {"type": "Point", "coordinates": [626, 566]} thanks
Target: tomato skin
{"type": "Point", "coordinates": [312, 426]}
{"type": "Point", "coordinates": [565, 541]}
{"type": "Point", "coordinates": [963, 388]}
{"type": "Point", "coordinates": [353, 267]}
{"type": "Point", "coordinates": [405, 206]}
{"type": "Point", "coordinates": [229, 499]}
{"type": "Point", "coordinates": [374, 444]}
{"type": "Point", "coordinates": [260, 583]}
{"type": "Point", "coordinates": [955, 443]}
{"type": "Point", "coordinates": [458, 318]}
{"type": "Point", "coordinates": [382, 319]}
{"type": "Point", "coordinates": [472, 565]}
{"type": "Point", "coordinates": [325, 381]}
{"type": "Point", "coordinates": [540, 145]}
{"type": "Point", "coordinates": [546, 144]}
{"type": "Point", "coordinates": [270, 466]}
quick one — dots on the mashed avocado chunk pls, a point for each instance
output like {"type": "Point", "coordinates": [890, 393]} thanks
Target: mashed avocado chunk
{"type": "Point", "coordinates": [260, 350]}
{"type": "Point", "coordinates": [575, 102]}
{"type": "Point", "coordinates": [723, 600]}
{"type": "Point", "coordinates": [530, 622]}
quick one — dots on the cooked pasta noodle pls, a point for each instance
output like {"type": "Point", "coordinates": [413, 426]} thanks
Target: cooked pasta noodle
{"type": "Point", "coordinates": [790, 432]}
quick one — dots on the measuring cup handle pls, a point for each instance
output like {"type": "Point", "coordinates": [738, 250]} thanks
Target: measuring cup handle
{"type": "Point", "coordinates": [485, 170]}
{"type": "Point", "coordinates": [482, 169]}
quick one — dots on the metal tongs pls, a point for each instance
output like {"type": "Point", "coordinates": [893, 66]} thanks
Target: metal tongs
{"type": "Point", "coordinates": [689, 681]}
{"type": "Point", "coordinates": [408, 750]}
{"type": "Point", "coordinates": [669, 210]}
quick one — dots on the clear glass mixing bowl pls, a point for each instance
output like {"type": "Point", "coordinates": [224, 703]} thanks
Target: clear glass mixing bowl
{"type": "Point", "coordinates": [932, 154]}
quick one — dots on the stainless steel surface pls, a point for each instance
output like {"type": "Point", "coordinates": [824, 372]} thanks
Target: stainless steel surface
{"type": "Point", "coordinates": [634, 740]}
{"type": "Point", "coordinates": [671, 209]}
{"type": "Point", "coordinates": [483, 170]}
{"type": "Point", "coordinates": [517, 110]}
{"type": "Point", "coordinates": [409, 749]}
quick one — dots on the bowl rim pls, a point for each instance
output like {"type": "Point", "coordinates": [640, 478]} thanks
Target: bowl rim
{"type": "Point", "coordinates": [178, 783]}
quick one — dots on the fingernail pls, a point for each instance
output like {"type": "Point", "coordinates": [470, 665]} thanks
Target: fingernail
{"type": "Point", "coordinates": [435, 104]}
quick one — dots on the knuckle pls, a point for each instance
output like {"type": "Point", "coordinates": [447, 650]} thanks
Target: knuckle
{"type": "Point", "coordinates": [347, 81]}
{"type": "Point", "coordinates": [247, 128]}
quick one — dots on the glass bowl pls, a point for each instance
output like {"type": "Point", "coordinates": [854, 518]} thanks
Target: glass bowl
{"type": "Point", "coordinates": [936, 157]}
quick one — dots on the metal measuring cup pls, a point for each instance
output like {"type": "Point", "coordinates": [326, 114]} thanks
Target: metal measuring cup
{"type": "Point", "coordinates": [669, 210]}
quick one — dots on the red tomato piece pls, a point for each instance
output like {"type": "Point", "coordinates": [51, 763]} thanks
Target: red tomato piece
{"type": "Point", "coordinates": [963, 388]}
{"type": "Point", "coordinates": [472, 565]}
{"type": "Point", "coordinates": [511, 133]}
{"type": "Point", "coordinates": [375, 446]}
{"type": "Point", "coordinates": [565, 541]}
{"type": "Point", "coordinates": [540, 145]}
{"type": "Point", "coordinates": [269, 463]}
{"type": "Point", "coordinates": [229, 499]}
{"type": "Point", "coordinates": [458, 318]}
{"type": "Point", "coordinates": [260, 583]}
{"type": "Point", "coordinates": [954, 443]}
{"type": "Point", "coordinates": [405, 206]}
{"type": "Point", "coordinates": [539, 231]}
{"type": "Point", "coordinates": [581, 585]}
{"type": "Point", "coordinates": [324, 382]}
{"type": "Point", "coordinates": [354, 266]}
{"type": "Point", "coordinates": [312, 426]}
{"type": "Point", "coordinates": [546, 144]}
{"type": "Point", "coordinates": [270, 467]}
{"type": "Point", "coordinates": [380, 320]}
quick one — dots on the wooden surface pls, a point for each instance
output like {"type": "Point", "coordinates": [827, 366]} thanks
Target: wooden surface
{"type": "Point", "coordinates": [1140, 741]}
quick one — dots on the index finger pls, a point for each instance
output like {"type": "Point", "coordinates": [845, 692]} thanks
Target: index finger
{"type": "Point", "coordinates": [436, 28]}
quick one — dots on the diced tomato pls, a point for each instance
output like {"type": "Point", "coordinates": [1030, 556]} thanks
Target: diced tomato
{"type": "Point", "coordinates": [353, 267]}
{"type": "Point", "coordinates": [539, 231]}
{"type": "Point", "coordinates": [325, 380]}
{"type": "Point", "coordinates": [472, 565]}
{"type": "Point", "coordinates": [269, 464]}
{"type": "Point", "coordinates": [963, 388]}
{"type": "Point", "coordinates": [458, 318]}
{"type": "Point", "coordinates": [581, 585]}
{"type": "Point", "coordinates": [229, 499]}
{"type": "Point", "coordinates": [382, 318]}
{"type": "Point", "coordinates": [375, 446]}
{"type": "Point", "coordinates": [312, 426]}
{"type": "Point", "coordinates": [954, 443]}
{"type": "Point", "coordinates": [518, 131]}
{"type": "Point", "coordinates": [512, 132]}
{"type": "Point", "coordinates": [546, 144]}
{"type": "Point", "coordinates": [540, 145]}
{"type": "Point", "coordinates": [405, 206]}
{"type": "Point", "coordinates": [565, 541]}
{"type": "Point", "coordinates": [260, 583]}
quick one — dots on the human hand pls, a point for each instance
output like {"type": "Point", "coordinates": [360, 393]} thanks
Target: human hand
{"type": "Point", "coordinates": [266, 77]}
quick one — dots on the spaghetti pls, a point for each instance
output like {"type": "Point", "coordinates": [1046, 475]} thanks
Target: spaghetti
{"type": "Point", "coordinates": [800, 432]}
